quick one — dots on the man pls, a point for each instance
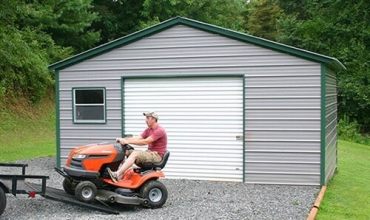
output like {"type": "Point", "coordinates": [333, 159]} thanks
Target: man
{"type": "Point", "coordinates": [154, 136]}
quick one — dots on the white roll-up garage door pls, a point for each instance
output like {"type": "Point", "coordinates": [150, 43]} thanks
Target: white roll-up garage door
{"type": "Point", "coordinates": [203, 117]}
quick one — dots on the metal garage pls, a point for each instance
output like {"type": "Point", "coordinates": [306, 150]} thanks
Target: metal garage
{"type": "Point", "coordinates": [235, 107]}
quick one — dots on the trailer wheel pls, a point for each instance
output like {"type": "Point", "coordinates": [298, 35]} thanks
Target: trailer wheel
{"type": "Point", "coordinates": [2, 200]}
{"type": "Point", "coordinates": [68, 186]}
{"type": "Point", "coordinates": [85, 191]}
{"type": "Point", "coordinates": [155, 193]}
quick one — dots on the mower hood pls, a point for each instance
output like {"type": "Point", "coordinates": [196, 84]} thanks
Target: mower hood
{"type": "Point", "coordinates": [95, 156]}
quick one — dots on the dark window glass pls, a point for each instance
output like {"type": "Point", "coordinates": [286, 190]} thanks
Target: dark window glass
{"type": "Point", "coordinates": [89, 96]}
{"type": "Point", "coordinates": [90, 112]}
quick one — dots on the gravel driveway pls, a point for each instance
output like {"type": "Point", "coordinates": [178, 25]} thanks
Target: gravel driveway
{"type": "Point", "coordinates": [188, 199]}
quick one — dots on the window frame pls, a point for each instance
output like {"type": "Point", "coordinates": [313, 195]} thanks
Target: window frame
{"type": "Point", "coordinates": [75, 105]}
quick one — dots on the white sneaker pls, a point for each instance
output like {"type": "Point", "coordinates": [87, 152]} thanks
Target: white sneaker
{"type": "Point", "coordinates": [112, 175]}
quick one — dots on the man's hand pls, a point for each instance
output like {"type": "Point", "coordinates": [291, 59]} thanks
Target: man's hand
{"type": "Point", "coordinates": [122, 141]}
{"type": "Point", "coordinates": [135, 140]}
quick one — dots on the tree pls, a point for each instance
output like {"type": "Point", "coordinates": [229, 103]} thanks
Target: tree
{"type": "Point", "coordinates": [223, 13]}
{"type": "Point", "coordinates": [261, 18]}
{"type": "Point", "coordinates": [117, 18]}
{"type": "Point", "coordinates": [23, 64]}
{"type": "Point", "coordinates": [67, 22]}
{"type": "Point", "coordinates": [121, 17]}
{"type": "Point", "coordinates": [341, 30]}
{"type": "Point", "coordinates": [27, 46]}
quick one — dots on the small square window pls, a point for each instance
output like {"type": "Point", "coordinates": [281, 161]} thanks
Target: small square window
{"type": "Point", "coordinates": [89, 105]}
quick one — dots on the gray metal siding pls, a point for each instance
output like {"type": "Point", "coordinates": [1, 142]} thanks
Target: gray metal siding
{"type": "Point", "coordinates": [282, 94]}
{"type": "Point", "coordinates": [331, 125]}
{"type": "Point", "coordinates": [282, 110]}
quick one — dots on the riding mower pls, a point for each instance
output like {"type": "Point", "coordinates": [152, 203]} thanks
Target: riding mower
{"type": "Point", "coordinates": [85, 176]}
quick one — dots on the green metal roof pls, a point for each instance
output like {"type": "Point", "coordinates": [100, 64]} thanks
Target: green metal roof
{"type": "Point", "coordinates": [331, 62]}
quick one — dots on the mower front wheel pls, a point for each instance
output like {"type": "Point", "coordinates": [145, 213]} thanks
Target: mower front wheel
{"type": "Point", "coordinates": [68, 186]}
{"type": "Point", "coordinates": [86, 191]}
{"type": "Point", "coordinates": [155, 193]}
{"type": "Point", "coordinates": [2, 200]}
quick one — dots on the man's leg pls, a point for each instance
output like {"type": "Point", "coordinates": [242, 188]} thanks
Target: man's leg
{"type": "Point", "coordinates": [127, 164]}
{"type": "Point", "coordinates": [135, 156]}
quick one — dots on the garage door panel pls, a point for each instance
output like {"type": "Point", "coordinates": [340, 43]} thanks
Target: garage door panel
{"type": "Point", "coordinates": [162, 104]}
{"type": "Point", "coordinates": [183, 101]}
{"type": "Point", "coordinates": [203, 118]}
{"type": "Point", "coordinates": [170, 112]}
{"type": "Point", "coordinates": [187, 94]}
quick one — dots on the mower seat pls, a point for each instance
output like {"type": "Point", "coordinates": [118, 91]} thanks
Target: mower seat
{"type": "Point", "coordinates": [154, 166]}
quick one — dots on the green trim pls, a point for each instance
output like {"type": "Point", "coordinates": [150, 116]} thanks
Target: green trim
{"type": "Point", "coordinates": [244, 144]}
{"type": "Point", "coordinates": [323, 125]}
{"type": "Point", "coordinates": [57, 118]}
{"type": "Point", "coordinates": [146, 76]}
{"type": "Point", "coordinates": [329, 61]}
{"type": "Point", "coordinates": [122, 107]}
{"type": "Point", "coordinates": [73, 105]}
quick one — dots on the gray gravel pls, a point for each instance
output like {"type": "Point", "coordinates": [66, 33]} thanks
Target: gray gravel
{"type": "Point", "coordinates": [188, 199]}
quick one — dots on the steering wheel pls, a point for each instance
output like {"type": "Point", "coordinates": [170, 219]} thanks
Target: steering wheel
{"type": "Point", "coordinates": [128, 147]}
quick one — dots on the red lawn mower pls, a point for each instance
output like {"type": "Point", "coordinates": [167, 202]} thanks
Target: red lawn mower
{"type": "Point", "coordinates": [86, 177]}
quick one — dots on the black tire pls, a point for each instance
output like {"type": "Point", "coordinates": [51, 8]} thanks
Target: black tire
{"type": "Point", "coordinates": [86, 191]}
{"type": "Point", "coordinates": [68, 186]}
{"type": "Point", "coordinates": [2, 200]}
{"type": "Point", "coordinates": [155, 193]}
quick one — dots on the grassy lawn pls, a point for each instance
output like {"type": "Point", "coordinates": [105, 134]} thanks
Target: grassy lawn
{"type": "Point", "coordinates": [348, 194]}
{"type": "Point", "coordinates": [27, 131]}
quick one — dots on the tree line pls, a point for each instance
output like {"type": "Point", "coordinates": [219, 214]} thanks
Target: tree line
{"type": "Point", "coordinates": [36, 33]}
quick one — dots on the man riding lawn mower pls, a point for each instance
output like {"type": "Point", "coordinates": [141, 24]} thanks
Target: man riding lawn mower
{"type": "Point", "coordinates": [88, 173]}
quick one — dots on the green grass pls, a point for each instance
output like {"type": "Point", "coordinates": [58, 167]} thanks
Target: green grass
{"type": "Point", "coordinates": [27, 131]}
{"type": "Point", "coordinates": [348, 194]}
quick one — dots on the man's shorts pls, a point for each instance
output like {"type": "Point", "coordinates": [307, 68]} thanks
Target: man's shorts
{"type": "Point", "coordinates": [147, 157]}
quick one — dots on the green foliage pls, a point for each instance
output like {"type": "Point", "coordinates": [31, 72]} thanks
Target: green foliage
{"type": "Point", "coordinates": [350, 131]}
{"type": "Point", "coordinates": [297, 8]}
{"type": "Point", "coordinates": [23, 64]}
{"type": "Point", "coordinates": [67, 22]}
{"type": "Point", "coordinates": [34, 34]}
{"type": "Point", "coordinates": [117, 18]}
{"type": "Point", "coordinates": [345, 36]}
{"type": "Point", "coordinates": [121, 17]}
{"type": "Point", "coordinates": [223, 13]}
{"type": "Point", "coordinates": [261, 18]}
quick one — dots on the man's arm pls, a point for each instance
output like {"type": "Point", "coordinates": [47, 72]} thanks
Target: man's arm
{"type": "Point", "coordinates": [136, 140]}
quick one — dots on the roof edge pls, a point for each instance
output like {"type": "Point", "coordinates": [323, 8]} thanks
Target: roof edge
{"type": "Point", "coordinates": [331, 62]}
{"type": "Point", "coordinates": [114, 44]}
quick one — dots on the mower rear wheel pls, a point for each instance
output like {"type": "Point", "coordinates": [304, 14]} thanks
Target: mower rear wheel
{"type": "Point", "coordinates": [155, 194]}
{"type": "Point", "coordinates": [2, 200]}
{"type": "Point", "coordinates": [68, 186]}
{"type": "Point", "coordinates": [86, 191]}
